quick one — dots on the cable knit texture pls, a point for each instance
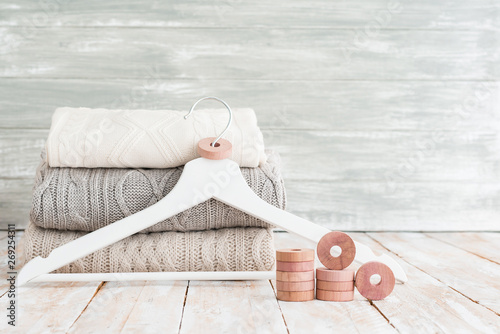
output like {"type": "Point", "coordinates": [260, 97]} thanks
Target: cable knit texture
{"type": "Point", "coordinates": [82, 199]}
{"type": "Point", "coordinates": [92, 138]}
{"type": "Point", "coordinates": [228, 249]}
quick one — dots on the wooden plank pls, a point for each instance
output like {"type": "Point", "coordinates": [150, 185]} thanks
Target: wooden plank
{"type": "Point", "coordinates": [20, 152]}
{"type": "Point", "coordinates": [146, 307]}
{"type": "Point", "coordinates": [304, 104]}
{"type": "Point", "coordinates": [377, 206]}
{"type": "Point", "coordinates": [422, 305]}
{"type": "Point", "coordinates": [390, 155]}
{"type": "Point", "coordinates": [485, 245]}
{"type": "Point", "coordinates": [286, 54]}
{"type": "Point", "coordinates": [53, 307]}
{"type": "Point", "coordinates": [15, 202]}
{"type": "Point", "coordinates": [470, 275]}
{"type": "Point", "coordinates": [426, 305]}
{"type": "Point", "coordinates": [231, 307]}
{"type": "Point", "coordinates": [317, 316]}
{"type": "Point", "coordinates": [242, 13]}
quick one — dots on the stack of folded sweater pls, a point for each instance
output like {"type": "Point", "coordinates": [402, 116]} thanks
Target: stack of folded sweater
{"type": "Point", "coordinates": [100, 166]}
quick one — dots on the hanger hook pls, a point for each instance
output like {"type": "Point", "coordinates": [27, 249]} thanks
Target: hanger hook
{"type": "Point", "coordinates": [221, 101]}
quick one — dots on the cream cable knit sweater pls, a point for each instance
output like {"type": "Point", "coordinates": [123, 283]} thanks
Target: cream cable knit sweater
{"type": "Point", "coordinates": [229, 249]}
{"type": "Point", "coordinates": [92, 138]}
{"type": "Point", "coordinates": [88, 199]}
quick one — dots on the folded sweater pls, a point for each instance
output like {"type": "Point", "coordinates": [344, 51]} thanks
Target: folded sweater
{"type": "Point", "coordinates": [93, 138]}
{"type": "Point", "coordinates": [83, 199]}
{"type": "Point", "coordinates": [229, 249]}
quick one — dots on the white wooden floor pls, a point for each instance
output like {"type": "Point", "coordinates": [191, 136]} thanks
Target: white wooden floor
{"type": "Point", "coordinates": [454, 286]}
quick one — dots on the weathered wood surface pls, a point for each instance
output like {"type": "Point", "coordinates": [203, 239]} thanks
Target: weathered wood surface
{"type": "Point", "coordinates": [231, 307]}
{"type": "Point", "coordinates": [272, 54]}
{"type": "Point", "coordinates": [426, 305]}
{"type": "Point", "coordinates": [473, 276]}
{"type": "Point", "coordinates": [430, 302]}
{"type": "Point", "coordinates": [132, 307]}
{"type": "Point", "coordinates": [350, 92]}
{"type": "Point", "coordinates": [299, 105]}
{"type": "Point", "coordinates": [485, 245]}
{"type": "Point", "coordinates": [401, 14]}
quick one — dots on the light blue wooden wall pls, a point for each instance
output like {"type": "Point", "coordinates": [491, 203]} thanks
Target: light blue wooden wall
{"type": "Point", "coordinates": [386, 112]}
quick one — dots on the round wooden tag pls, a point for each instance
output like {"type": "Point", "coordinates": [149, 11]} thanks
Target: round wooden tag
{"type": "Point", "coordinates": [295, 266]}
{"type": "Point", "coordinates": [295, 276]}
{"type": "Point", "coordinates": [335, 286]}
{"type": "Point", "coordinates": [375, 291]}
{"type": "Point", "coordinates": [295, 296]}
{"type": "Point", "coordinates": [295, 254]}
{"type": "Point", "coordinates": [325, 274]}
{"type": "Point", "coordinates": [334, 296]}
{"type": "Point", "coordinates": [330, 240]}
{"type": "Point", "coordinates": [295, 286]}
{"type": "Point", "coordinates": [221, 150]}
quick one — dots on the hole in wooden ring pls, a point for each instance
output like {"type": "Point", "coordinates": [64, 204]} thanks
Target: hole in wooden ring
{"type": "Point", "coordinates": [296, 250]}
{"type": "Point", "coordinates": [375, 279]}
{"type": "Point", "coordinates": [216, 144]}
{"type": "Point", "coordinates": [335, 251]}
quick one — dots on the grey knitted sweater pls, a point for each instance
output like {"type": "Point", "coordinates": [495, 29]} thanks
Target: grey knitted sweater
{"type": "Point", "coordinates": [228, 249]}
{"type": "Point", "coordinates": [81, 199]}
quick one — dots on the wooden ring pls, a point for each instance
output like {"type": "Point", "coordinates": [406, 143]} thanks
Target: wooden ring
{"type": "Point", "coordinates": [335, 296]}
{"type": "Point", "coordinates": [295, 296]}
{"type": "Point", "coordinates": [325, 274]}
{"type": "Point", "coordinates": [295, 266]}
{"type": "Point", "coordinates": [295, 286]}
{"type": "Point", "coordinates": [295, 254]}
{"type": "Point", "coordinates": [342, 240]}
{"type": "Point", "coordinates": [375, 291]}
{"type": "Point", "coordinates": [335, 286]}
{"type": "Point", "coordinates": [297, 276]}
{"type": "Point", "coordinates": [222, 149]}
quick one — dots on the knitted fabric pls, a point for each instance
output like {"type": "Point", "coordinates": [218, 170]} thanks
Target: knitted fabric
{"type": "Point", "coordinates": [94, 138]}
{"type": "Point", "coordinates": [83, 199]}
{"type": "Point", "coordinates": [229, 249]}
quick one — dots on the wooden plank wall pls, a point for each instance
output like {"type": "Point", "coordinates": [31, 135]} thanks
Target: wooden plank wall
{"type": "Point", "coordinates": [386, 112]}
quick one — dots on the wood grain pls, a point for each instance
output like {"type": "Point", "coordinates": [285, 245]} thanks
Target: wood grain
{"type": "Point", "coordinates": [485, 245]}
{"type": "Point", "coordinates": [231, 307]}
{"type": "Point", "coordinates": [427, 305]}
{"type": "Point", "coordinates": [303, 105]}
{"type": "Point", "coordinates": [199, 53]}
{"type": "Point", "coordinates": [434, 258]}
{"type": "Point", "coordinates": [243, 13]}
{"type": "Point", "coordinates": [410, 206]}
{"type": "Point", "coordinates": [49, 306]}
{"type": "Point", "coordinates": [148, 307]}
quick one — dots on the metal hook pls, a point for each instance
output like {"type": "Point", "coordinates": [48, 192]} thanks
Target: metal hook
{"type": "Point", "coordinates": [221, 101]}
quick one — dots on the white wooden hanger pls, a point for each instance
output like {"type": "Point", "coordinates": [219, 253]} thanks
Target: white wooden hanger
{"type": "Point", "coordinates": [211, 176]}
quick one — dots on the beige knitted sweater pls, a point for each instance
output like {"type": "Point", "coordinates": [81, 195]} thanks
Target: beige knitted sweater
{"type": "Point", "coordinates": [229, 249]}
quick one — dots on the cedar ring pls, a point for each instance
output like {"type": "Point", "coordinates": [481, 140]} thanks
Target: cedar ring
{"type": "Point", "coordinates": [342, 240]}
{"type": "Point", "coordinates": [222, 149]}
{"type": "Point", "coordinates": [375, 291]}
{"type": "Point", "coordinates": [295, 254]}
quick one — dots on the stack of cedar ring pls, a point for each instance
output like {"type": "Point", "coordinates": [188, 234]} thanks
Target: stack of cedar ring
{"type": "Point", "coordinates": [295, 274]}
{"type": "Point", "coordinates": [335, 283]}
